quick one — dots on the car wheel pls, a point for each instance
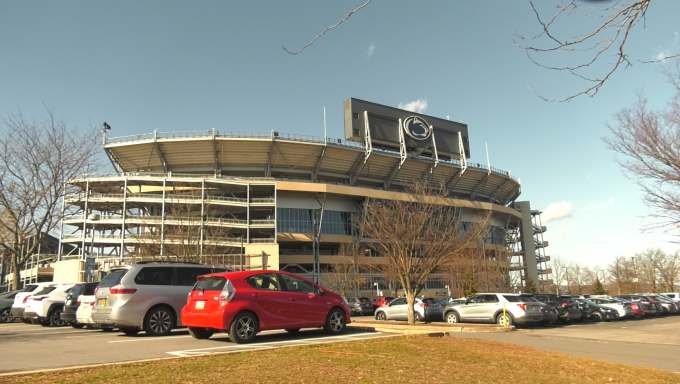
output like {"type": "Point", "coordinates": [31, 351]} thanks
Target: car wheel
{"type": "Point", "coordinates": [596, 316]}
{"type": "Point", "coordinates": [380, 316]}
{"type": "Point", "coordinates": [129, 331]}
{"type": "Point", "coordinates": [335, 322]}
{"type": "Point", "coordinates": [159, 321]}
{"type": "Point", "coordinates": [293, 330]}
{"type": "Point", "coordinates": [44, 323]}
{"type": "Point", "coordinates": [6, 316]}
{"type": "Point", "coordinates": [417, 317]}
{"type": "Point", "coordinates": [55, 318]}
{"type": "Point", "coordinates": [243, 328]}
{"type": "Point", "coordinates": [452, 318]}
{"type": "Point", "coordinates": [77, 325]}
{"type": "Point", "coordinates": [504, 320]}
{"type": "Point", "coordinates": [200, 333]}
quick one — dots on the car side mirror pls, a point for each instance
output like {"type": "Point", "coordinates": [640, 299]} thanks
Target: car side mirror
{"type": "Point", "coordinates": [467, 301]}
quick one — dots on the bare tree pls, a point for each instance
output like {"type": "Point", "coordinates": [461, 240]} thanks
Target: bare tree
{"type": "Point", "coordinates": [669, 269]}
{"type": "Point", "coordinates": [647, 265]}
{"type": "Point", "coordinates": [648, 141]}
{"type": "Point", "coordinates": [559, 272]}
{"type": "Point", "coordinates": [577, 277]}
{"type": "Point", "coordinates": [417, 234]}
{"type": "Point", "coordinates": [608, 31]}
{"type": "Point", "coordinates": [37, 158]}
{"type": "Point", "coordinates": [345, 274]}
{"type": "Point", "coordinates": [621, 274]}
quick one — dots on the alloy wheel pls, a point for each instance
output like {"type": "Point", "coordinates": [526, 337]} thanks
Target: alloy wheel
{"type": "Point", "coordinates": [6, 316]}
{"type": "Point", "coordinates": [245, 328]}
{"type": "Point", "coordinates": [160, 321]}
{"type": "Point", "coordinates": [337, 321]}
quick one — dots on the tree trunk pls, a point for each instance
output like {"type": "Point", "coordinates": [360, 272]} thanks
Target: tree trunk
{"type": "Point", "coordinates": [411, 300]}
{"type": "Point", "coordinates": [16, 276]}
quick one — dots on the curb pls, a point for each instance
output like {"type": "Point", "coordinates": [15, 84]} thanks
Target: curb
{"type": "Point", "coordinates": [410, 329]}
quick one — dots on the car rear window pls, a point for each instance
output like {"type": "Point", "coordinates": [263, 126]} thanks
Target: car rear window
{"type": "Point", "coordinates": [45, 291]}
{"type": "Point", "coordinates": [29, 288]}
{"type": "Point", "coordinates": [112, 278]}
{"type": "Point", "coordinates": [76, 290]}
{"type": "Point", "coordinates": [513, 298]}
{"type": "Point", "coordinates": [213, 283]}
{"type": "Point", "coordinates": [88, 290]}
{"type": "Point", "coordinates": [154, 276]}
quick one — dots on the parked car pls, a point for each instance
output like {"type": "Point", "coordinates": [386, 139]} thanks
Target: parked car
{"type": "Point", "coordinates": [73, 301]}
{"type": "Point", "coordinates": [567, 308]}
{"type": "Point", "coordinates": [46, 306]}
{"type": "Point", "coordinates": [623, 307]}
{"type": "Point", "coordinates": [246, 302]}
{"type": "Point", "coordinates": [675, 296]}
{"type": "Point", "coordinates": [84, 314]}
{"type": "Point", "coordinates": [669, 307]}
{"type": "Point", "coordinates": [488, 308]}
{"type": "Point", "coordinates": [23, 295]}
{"type": "Point", "coordinates": [360, 305]}
{"type": "Point", "coordinates": [646, 305]}
{"type": "Point", "coordinates": [6, 301]}
{"type": "Point", "coordinates": [594, 312]}
{"type": "Point", "coordinates": [379, 301]}
{"type": "Point", "coordinates": [423, 309]}
{"type": "Point", "coordinates": [146, 296]}
{"type": "Point", "coordinates": [550, 314]}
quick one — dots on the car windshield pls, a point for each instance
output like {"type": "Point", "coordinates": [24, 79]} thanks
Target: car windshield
{"type": "Point", "coordinates": [112, 278]}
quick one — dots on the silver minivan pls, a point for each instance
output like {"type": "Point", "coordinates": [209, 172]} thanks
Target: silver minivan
{"type": "Point", "coordinates": [146, 296]}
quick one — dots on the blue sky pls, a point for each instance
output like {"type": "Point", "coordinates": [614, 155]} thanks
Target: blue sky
{"type": "Point", "coordinates": [184, 66]}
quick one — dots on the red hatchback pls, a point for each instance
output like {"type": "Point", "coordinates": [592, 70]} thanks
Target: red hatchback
{"type": "Point", "coordinates": [247, 302]}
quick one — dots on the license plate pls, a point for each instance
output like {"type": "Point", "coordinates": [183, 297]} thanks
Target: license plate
{"type": "Point", "coordinates": [102, 303]}
{"type": "Point", "coordinates": [200, 304]}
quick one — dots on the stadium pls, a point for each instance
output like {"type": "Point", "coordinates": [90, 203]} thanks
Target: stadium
{"type": "Point", "coordinates": [274, 200]}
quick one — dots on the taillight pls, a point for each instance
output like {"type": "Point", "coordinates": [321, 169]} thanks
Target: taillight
{"type": "Point", "coordinates": [565, 304]}
{"type": "Point", "coordinates": [227, 294]}
{"type": "Point", "coordinates": [25, 300]}
{"type": "Point", "coordinates": [78, 303]}
{"type": "Point", "coordinates": [96, 290]}
{"type": "Point", "coordinates": [38, 298]}
{"type": "Point", "coordinates": [523, 306]}
{"type": "Point", "coordinates": [119, 289]}
{"type": "Point", "coordinates": [424, 305]}
{"type": "Point", "coordinates": [544, 309]}
{"type": "Point", "coordinates": [92, 304]}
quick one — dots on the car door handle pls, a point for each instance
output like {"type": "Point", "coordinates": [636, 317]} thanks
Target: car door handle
{"type": "Point", "coordinates": [256, 295]}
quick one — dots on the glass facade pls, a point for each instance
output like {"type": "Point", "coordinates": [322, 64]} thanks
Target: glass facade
{"type": "Point", "coordinates": [293, 220]}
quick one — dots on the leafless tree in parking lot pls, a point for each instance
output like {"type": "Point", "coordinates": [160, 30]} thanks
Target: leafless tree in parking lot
{"type": "Point", "coordinates": [37, 158]}
{"type": "Point", "coordinates": [418, 232]}
{"type": "Point", "coordinates": [345, 274]}
{"type": "Point", "coordinates": [559, 272]}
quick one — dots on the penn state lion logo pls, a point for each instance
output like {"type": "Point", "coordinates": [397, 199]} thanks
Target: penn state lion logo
{"type": "Point", "coordinates": [417, 128]}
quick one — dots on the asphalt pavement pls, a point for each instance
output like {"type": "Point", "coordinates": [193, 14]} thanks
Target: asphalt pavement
{"type": "Point", "coordinates": [27, 347]}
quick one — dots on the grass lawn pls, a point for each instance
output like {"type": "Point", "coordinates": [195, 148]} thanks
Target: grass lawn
{"type": "Point", "coordinates": [406, 359]}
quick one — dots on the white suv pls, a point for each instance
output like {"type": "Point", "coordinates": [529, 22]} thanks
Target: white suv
{"type": "Point", "coordinates": [21, 298]}
{"type": "Point", "coordinates": [46, 306]}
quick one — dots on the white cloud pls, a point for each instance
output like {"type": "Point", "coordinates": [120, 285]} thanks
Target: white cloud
{"type": "Point", "coordinates": [557, 211]}
{"type": "Point", "coordinates": [370, 50]}
{"type": "Point", "coordinates": [661, 56]}
{"type": "Point", "coordinates": [597, 207]}
{"type": "Point", "coordinates": [418, 106]}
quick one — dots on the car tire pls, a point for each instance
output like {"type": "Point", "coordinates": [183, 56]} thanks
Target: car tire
{"type": "Point", "coordinates": [159, 321]}
{"type": "Point", "coordinates": [44, 323]}
{"type": "Point", "coordinates": [6, 316]}
{"type": "Point", "coordinates": [129, 331]}
{"type": "Point", "coordinates": [201, 333]}
{"type": "Point", "coordinates": [380, 316]}
{"type": "Point", "coordinates": [243, 328]}
{"type": "Point", "coordinates": [55, 318]}
{"type": "Point", "coordinates": [293, 330]}
{"type": "Point", "coordinates": [452, 317]}
{"type": "Point", "coordinates": [77, 325]}
{"type": "Point", "coordinates": [504, 320]}
{"type": "Point", "coordinates": [596, 316]}
{"type": "Point", "coordinates": [417, 317]}
{"type": "Point", "coordinates": [335, 322]}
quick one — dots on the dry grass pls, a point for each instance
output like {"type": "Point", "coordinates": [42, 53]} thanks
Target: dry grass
{"type": "Point", "coordinates": [407, 359]}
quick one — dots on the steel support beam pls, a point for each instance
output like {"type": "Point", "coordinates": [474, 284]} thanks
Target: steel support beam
{"type": "Point", "coordinates": [158, 152]}
{"type": "Point", "coordinates": [359, 163]}
{"type": "Point", "coordinates": [268, 169]}
{"type": "Point", "coordinates": [217, 164]}
{"type": "Point", "coordinates": [397, 164]}
{"type": "Point", "coordinates": [500, 188]}
{"type": "Point", "coordinates": [435, 157]}
{"type": "Point", "coordinates": [315, 171]}
{"type": "Point", "coordinates": [454, 179]}
{"type": "Point", "coordinates": [480, 185]}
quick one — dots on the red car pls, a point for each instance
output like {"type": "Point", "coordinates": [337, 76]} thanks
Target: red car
{"type": "Point", "coordinates": [379, 301]}
{"type": "Point", "coordinates": [247, 302]}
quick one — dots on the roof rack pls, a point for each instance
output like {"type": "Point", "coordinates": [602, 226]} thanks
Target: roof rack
{"type": "Point", "coordinates": [167, 262]}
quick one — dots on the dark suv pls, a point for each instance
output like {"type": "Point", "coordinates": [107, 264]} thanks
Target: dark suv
{"type": "Point", "coordinates": [645, 303]}
{"type": "Point", "coordinates": [567, 309]}
{"type": "Point", "coordinates": [71, 304]}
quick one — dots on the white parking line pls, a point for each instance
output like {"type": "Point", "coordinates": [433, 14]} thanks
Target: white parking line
{"type": "Point", "coordinates": [149, 339]}
{"type": "Point", "coordinates": [195, 352]}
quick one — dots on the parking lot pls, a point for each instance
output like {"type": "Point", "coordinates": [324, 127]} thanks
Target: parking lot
{"type": "Point", "coordinates": [27, 347]}
{"type": "Point", "coordinates": [651, 343]}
